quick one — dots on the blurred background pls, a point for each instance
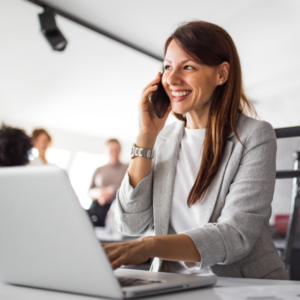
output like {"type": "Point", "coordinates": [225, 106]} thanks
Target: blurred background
{"type": "Point", "coordinates": [89, 92]}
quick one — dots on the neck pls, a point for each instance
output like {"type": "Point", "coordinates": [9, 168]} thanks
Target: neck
{"type": "Point", "coordinates": [42, 156]}
{"type": "Point", "coordinates": [197, 119]}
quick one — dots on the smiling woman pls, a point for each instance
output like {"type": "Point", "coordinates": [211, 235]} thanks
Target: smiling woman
{"type": "Point", "coordinates": [209, 188]}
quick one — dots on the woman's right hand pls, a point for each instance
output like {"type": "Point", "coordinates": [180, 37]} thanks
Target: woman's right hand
{"type": "Point", "coordinates": [149, 124]}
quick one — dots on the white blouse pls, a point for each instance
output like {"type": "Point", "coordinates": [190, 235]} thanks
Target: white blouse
{"type": "Point", "coordinates": [182, 217]}
{"type": "Point", "coordinates": [189, 159]}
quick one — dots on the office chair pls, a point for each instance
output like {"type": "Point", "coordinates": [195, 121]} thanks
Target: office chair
{"type": "Point", "coordinates": [291, 251]}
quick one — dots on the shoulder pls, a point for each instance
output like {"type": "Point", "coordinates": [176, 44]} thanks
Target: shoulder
{"type": "Point", "coordinates": [100, 169]}
{"type": "Point", "coordinates": [255, 130]}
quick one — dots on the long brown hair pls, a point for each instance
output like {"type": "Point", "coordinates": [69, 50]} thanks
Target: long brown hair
{"type": "Point", "coordinates": [212, 45]}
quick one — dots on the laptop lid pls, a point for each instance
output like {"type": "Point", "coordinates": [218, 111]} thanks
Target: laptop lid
{"type": "Point", "coordinates": [44, 230]}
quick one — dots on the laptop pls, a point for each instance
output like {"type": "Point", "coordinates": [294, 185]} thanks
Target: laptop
{"type": "Point", "coordinates": [47, 241]}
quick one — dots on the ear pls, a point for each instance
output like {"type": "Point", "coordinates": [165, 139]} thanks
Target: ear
{"type": "Point", "coordinates": [223, 71]}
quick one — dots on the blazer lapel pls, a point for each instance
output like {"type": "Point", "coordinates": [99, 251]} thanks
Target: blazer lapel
{"type": "Point", "coordinates": [208, 201]}
{"type": "Point", "coordinates": [164, 176]}
{"type": "Point", "coordinates": [163, 182]}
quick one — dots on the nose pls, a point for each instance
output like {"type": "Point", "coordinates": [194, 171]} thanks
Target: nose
{"type": "Point", "coordinates": [173, 77]}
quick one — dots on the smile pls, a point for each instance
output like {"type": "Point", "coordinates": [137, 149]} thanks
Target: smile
{"type": "Point", "coordinates": [180, 94]}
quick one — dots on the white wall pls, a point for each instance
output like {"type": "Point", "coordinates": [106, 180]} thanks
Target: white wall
{"type": "Point", "coordinates": [91, 88]}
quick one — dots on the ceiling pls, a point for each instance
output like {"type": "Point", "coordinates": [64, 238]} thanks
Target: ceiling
{"type": "Point", "coordinates": [93, 87]}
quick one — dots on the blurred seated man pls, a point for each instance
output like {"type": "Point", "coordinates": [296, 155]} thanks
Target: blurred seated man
{"type": "Point", "coordinates": [105, 183]}
{"type": "Point", "coordinates": [15, 147]}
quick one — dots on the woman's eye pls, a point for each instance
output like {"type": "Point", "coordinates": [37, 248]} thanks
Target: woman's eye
{"type": "Point", "coordinates": [189, 68]}
{"type": "Point", "coordinates": [167, 67]}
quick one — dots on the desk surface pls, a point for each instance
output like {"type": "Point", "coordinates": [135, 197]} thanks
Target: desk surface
{"type": "Point", "coordinates": [9, 292]}
{"type": "Point", "coordinates": [105, 236]}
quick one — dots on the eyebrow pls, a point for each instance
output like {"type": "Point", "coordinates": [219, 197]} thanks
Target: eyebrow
{"type": "Point", "coordinates": [184, 61]}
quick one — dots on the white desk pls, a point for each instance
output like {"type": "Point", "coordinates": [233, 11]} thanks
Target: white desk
{"type": "Point", "coordinates": [9, 292]}
{"type": "Point", "coordinates": [106, 236]}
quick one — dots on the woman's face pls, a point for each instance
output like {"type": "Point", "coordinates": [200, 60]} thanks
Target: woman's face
{"type": "Point", "coordinates": [42, 142]}
{"type": "Point", "coordinates": [189, 84]}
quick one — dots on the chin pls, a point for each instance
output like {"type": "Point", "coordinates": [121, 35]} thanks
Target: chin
{"type": "Point", "coordinates": [180, 111]}
{"type": "Point", "coordinates": [181, 107]}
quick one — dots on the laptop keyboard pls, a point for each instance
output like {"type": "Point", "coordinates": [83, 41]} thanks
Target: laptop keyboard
{"type": "Point", "coordinates": [128, 281]}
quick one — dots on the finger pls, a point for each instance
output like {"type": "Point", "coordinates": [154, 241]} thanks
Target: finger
{"type": "Point", "coordinates": [107, 248]}
{"type": "Point", "coordinates": [146, 94]}
{"type": "Point", "coordinates": [117, 263]}
{"type": "Point", "coordinates": [107, 245]}
{"type": "Point", "coordinates": [154, 81]}
{"type": "Point", "coordinates": [100, 201]}
{"type": "Point", "coordinates": [111, 245]}
{"type": "Point", "coordinates": [112, 256]}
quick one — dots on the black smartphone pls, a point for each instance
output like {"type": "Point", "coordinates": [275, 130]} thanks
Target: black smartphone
{"type": "Point", "coordinates": [160, 100]}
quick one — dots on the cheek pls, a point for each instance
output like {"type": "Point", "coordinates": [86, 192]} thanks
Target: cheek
{"type": "Point", "coordinates": [204, 89]}
{"type": "Point", "coordinates": [38, 144]}
{"type": "Point", "coordinates": [165, 84]}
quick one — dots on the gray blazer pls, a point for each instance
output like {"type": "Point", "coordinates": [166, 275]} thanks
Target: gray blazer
{"type": "Point", "coordinates": [233, 238]}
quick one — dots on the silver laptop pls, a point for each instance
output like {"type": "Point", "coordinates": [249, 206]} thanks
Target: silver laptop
{"type": "Point", "coordinates": [47, 241]}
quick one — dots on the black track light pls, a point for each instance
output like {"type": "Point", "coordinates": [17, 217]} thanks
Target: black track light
{"type": "Point", "coordinates": [51, 31]}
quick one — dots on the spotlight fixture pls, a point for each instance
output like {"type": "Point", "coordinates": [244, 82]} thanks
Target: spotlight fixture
{"type": "Point", "coordinates": [51, 32]}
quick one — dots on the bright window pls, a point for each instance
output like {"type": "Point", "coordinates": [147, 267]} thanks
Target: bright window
{"type": "Point", "coordinates": [59, 157]}
{"type": "Point", "coordinates": [81, 173]}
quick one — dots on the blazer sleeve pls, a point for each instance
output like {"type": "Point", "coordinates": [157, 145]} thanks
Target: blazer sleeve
{"type": "Point", "coordinates": [247, 205]}
{"type": "Point", "coordinates": [134, 212]}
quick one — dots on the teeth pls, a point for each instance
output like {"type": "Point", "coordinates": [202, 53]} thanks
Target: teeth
{"type": "Point", "coordinates": [180, 94]}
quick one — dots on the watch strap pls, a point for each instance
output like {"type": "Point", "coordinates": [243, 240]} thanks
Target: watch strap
{"type": "Point", "coordinates": [142, 152]}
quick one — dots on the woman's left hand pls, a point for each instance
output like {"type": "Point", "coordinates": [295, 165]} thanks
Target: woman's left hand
{"type": "Point", "coordinates": [128, 253]}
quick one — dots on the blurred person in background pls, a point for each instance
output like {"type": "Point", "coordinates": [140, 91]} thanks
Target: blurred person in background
{"type": "Point", "coordinates": [105, 183]}
{"type": "Point", "coordinates": [41, 140]}
{"type": "Point", "coordinates": [15, 147]}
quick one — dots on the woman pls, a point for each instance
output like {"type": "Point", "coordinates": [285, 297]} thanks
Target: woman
{"type": "Point", "coordinates": [41, 140]}
{"type": "Point", "coordinates": [209, 188]}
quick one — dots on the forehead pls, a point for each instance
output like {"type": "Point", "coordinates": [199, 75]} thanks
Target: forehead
{"type": "Point", "coordinates": [112, 145]}
{"type": "Point", "coordinates": [175, 53]}
{"type": "Point", "coordinates": [42, 135]}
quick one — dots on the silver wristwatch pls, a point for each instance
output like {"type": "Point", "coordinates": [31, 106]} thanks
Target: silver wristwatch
{"type": "Point", "coordinates": [135, 151]}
